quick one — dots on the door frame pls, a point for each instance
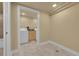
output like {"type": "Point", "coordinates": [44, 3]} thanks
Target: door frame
{"type": "Point", "coordinates": [18, 23]}
{"type": "Point", "coordinates": [6, 28]}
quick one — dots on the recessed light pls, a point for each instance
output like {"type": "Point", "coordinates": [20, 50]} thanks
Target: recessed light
{"type": "Point", "coordinates": [23, 14]}
{"type": "Point", "coordinates": [54, 5]}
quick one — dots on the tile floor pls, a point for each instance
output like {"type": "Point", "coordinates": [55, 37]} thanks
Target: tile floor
{"type": "Point", "coordinates": [31, 49]}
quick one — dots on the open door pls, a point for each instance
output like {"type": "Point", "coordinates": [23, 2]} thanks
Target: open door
{"type": "Point", "coordinates": [6, 30]}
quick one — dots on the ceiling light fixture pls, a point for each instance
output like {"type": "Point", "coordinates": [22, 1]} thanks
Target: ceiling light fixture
{"type": "Point", "coordinates": [23, 14]}
{"type": "Point", "coordinates": [54, 5]}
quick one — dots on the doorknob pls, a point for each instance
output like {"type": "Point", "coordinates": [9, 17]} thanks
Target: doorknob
{"type": "Point", "coordinates": [6, 32]}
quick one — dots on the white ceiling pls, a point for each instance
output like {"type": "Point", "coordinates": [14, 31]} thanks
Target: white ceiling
{"type": "Point", "coordinates": [47, 6]}
{"type": "Point", "coordinates": [28, 13]}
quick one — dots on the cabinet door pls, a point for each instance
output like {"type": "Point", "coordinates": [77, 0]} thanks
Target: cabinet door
{"type": "Point", "coordinates": [32, 35]}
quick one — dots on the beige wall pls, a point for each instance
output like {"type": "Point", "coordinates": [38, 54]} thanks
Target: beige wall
{"type": "Point", "coordinates": [44, 27]}
{"type": "Point", "coordinates": [26, 21]}
{"type": "Point", "coordinates": [65, 28]}
{"type": "Point", "coordinates": [1, 26]}
{"type": "Point", "coordinates": [13, 27]}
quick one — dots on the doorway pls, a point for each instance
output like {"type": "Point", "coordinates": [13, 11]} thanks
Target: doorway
{"type": "Point", "coordinates": [28, 25]}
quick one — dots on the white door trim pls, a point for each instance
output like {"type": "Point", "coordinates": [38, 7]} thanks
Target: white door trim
{"type": "Point", "coordinates": [7, 29]}
{"type": "Point", "coordinates": [18, 23]}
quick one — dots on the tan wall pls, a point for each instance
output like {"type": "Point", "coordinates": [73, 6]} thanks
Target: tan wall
{"type": "Point", "coordinates": [44, 27]}
{"type": "Point", "coordinates": [1, 26]}
{"type": "Point", "coordinates": [13, 27]}
{"type": "Point", "coordinates": [26, 21]}
{"type": "Point", "coordinates": [65, 28]}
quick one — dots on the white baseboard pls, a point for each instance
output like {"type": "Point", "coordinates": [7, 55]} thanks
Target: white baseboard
{"type": "Point", "coordinates": [43, 43]}
{"type": "Point", "coordinates": [1, 43]}
{"type": "Point", "coordinates": [65, 48]}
